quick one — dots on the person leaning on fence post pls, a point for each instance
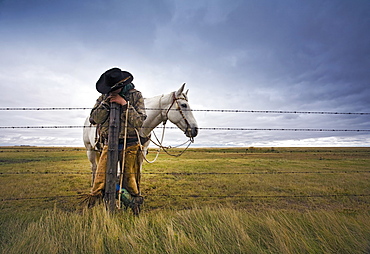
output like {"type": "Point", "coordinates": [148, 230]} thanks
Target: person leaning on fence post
{"type": "Point", "coordinates": [116, 86]}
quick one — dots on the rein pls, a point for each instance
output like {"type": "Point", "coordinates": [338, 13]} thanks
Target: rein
{"type": "Point", "coordinates": [169, 147]}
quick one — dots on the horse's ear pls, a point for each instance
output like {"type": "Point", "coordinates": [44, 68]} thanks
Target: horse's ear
{"type": "Point", "coordinates": [186, 93]}
{"type": "Point", "coordinates": [179, 92]}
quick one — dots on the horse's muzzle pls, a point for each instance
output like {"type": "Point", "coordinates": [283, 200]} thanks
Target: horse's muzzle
{"type": "Point", "coordinates": [191, 132]}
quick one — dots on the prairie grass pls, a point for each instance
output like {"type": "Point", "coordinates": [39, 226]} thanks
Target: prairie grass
{"type": "Point", "coordinates": [237, 200]}
{"type": "Point", "coordinates": [198, 230]}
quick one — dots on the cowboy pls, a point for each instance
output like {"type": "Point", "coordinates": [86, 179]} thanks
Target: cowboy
{"type": "Point", "coordinates": [116, 86]}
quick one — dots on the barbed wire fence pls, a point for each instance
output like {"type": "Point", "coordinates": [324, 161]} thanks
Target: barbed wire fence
{"type": "Point", "coordinates": [250, 197]}
{"type": "Point", "coordinates": [206, 110]}
{"type": "Point", "coordinates": [199, 110]}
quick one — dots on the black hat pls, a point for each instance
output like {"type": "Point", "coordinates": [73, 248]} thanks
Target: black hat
{"type": "Point", "coordinates": [113, 79]}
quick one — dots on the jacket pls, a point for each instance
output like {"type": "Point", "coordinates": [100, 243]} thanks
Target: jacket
{"type": "Point", "coordinates": [136, 115]}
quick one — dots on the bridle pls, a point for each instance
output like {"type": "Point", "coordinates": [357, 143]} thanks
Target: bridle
{"type": "Point", "coordinates": [164, 121]}
{"type": "Point", "coordinates": [178, 108]}
{"type": "Point", "coordinates": [164, 116]}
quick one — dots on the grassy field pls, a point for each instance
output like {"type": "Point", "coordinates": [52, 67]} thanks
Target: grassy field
{"type": "Point", "coordinates": [235, 200]}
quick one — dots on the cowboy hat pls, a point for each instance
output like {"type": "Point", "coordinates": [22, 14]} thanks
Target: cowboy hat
{"type": "Point", "coordinates": [113, 79]}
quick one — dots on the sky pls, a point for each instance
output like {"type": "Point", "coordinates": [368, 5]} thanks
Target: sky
{"type": "Point", "coordinates": [261, 55]}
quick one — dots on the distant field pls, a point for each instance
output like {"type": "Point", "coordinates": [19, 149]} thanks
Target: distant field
{"type": "Point", "coordinates": [335, 181]}
{"type": "Point", "coordinates": [289, 178]}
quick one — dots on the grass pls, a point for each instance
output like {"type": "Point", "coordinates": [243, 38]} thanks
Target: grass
{"type": "Point", "coordinates": [247, 179]}
{"type": "Point", "coordinates": [204, 230]}
{"type": "Point", "coordinates": [237, 200]}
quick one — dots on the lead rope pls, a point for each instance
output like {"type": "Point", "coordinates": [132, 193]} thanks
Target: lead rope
{"type": "Point", "coordinates": [165, 149]}
{"type": "Point", "coordinates": [142, 150]}
{"type": "Point", "coordinates": [180, 153]}
{"type": "Point", "coordinates": [123, 158]}
{"type": "Point", "coordinates": [141, 145]}
{"type": "Point", "coordinates": [160, 146]}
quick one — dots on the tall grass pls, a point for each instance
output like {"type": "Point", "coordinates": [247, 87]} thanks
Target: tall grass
{"type": "Point", "coordinates": [199, 230]}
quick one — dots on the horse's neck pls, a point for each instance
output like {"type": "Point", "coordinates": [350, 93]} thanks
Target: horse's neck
{"type": "Point", "coordinates": [154, 114]}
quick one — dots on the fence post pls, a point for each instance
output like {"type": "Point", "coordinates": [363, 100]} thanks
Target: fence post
{"type": "Point", "coordinates": [112, 160]}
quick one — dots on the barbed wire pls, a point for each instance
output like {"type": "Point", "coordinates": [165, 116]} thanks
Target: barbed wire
{"type": "Point", "coordinates": [38, 149]}
{"type": "Point", "coordinates": [34, 198]}
{"type": "Point", "coordinates": [266, 196]}
{"type": "Point", "coordinates": [202, 110]}
{"type": "Point", "coordinates": [206, 196]}
{"type": "Point", "coordinates": [200, 128]}
{"type": "Point", "coordinates": [41, 109]}
{"type": "Point", "coordinates": [200, 173]}
{"type": "Point", "coordinates": [237, 150]}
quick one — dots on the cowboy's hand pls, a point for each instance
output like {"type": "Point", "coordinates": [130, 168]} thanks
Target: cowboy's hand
{"type": "Point", "coordinates": [117, 99]}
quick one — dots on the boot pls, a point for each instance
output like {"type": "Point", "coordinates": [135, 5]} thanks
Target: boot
{"type": "Point", "coordinates": [135, 204]}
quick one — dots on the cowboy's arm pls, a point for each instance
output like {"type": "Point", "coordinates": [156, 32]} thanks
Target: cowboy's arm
{"type": "Point", "coordinates": [100, 113]}
{"type": "Point", "coordinates": [136, 113]}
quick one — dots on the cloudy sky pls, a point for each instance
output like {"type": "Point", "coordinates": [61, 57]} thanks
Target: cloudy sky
{"type": "Point", "coordinates": [258, 55]}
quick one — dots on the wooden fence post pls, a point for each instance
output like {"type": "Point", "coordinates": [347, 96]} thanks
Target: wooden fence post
{"type": "Point", "coordinates": [112, 160]}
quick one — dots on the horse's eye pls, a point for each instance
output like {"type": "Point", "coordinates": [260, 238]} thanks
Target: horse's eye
{"type": "Point", "coordinates": [184, 105]}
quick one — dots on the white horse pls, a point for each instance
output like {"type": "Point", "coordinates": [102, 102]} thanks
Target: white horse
{"type": "Point", "coordinates": [173, 106]}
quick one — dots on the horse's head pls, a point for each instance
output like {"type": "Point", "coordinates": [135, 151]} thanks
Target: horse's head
{"type": "Point", "coordinates": [181, 115]}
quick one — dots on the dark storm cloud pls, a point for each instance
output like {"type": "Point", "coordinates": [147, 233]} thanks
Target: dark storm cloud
{"type": "Point", "coordinates": [316, 51]}
{"type": "Point", "coordinates": [256, 55]}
